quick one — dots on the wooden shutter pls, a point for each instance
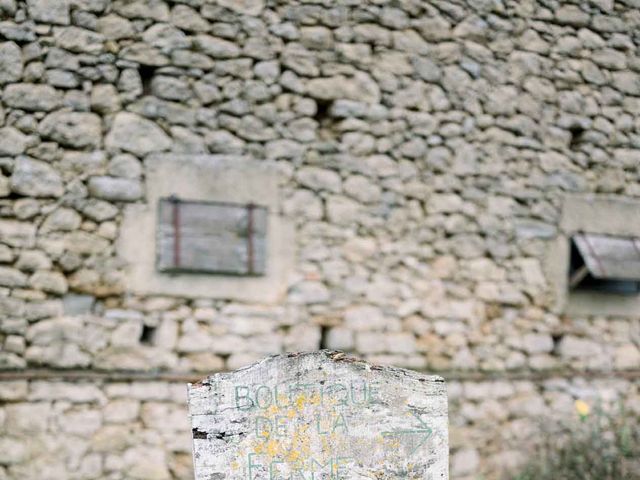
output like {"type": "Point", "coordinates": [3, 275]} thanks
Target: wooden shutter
{"type": "Point", "coordinates": [211, 237]}
{"type": "Point", "coordinates": [605, 262]}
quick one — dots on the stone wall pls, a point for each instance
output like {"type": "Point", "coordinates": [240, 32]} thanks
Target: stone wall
{"type": "Point", "coordinates": [424, 152]}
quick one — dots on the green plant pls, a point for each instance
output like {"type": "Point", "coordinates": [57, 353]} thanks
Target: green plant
{"type": "Point", "coordinates": [598, 445]}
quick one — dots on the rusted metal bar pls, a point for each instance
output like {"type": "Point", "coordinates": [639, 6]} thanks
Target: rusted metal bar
{"type": "Point", "coordinates": [250, 228]}
{"type": "Point", "coordinates": [176, 230]}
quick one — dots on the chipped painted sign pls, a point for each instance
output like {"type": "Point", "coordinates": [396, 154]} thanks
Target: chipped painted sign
{"type": "Point", "coordinates": [319, 416]}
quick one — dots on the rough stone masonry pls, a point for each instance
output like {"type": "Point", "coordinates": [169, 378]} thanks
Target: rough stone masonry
{"type": "Point", "coordinates": [426, 155]}
{"type": "Point", "coordinates": [319, 415]}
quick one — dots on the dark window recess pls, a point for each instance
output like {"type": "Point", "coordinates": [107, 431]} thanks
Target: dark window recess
{"type": "Point", "coordinates": [146, 73]}
{"type": "Point", "coordinates": [577, 135]}
{"type": "Point", "coordinates": [211, 237]}
{"type": "Point", "coordinates": [605, 263]}
{"type": "Point", "coordinates": [147, 335]}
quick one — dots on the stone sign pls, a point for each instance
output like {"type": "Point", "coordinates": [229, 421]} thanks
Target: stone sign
{"type": "Point", "coordinates": [319, 416]}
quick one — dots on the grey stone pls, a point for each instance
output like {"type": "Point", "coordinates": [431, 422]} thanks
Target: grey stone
{"type": "Point", "coordinates": [12, 451]}
{"type": "Point", "coordinates": [8, 6]}
{"type": "Point", "coordinates": [575, 347]}
{"type": "Point", "coordinates": [144, 54]}
{"type": "Point", "coordinates": [572, 15]}
{"type": "Point", "coordinates": [627, 357]}
{"type": "Point", "coordinates": [11, 63]}
{"type": "Point", "coordinates": [49, 11]}
{"type": "Point", "coordinates": [99, 210]}
{"type": "Point", "coordinates": [132, 133]}
{"type": "Point", "coordinates": [163, 110]}
{"type": "Point", "coordinates": [360, 87]}
{"type": "Point", "coordinates": [534, 229]}
{"type": "Point", "coordinates": [32, 260]}
{"type": "Point", "coordinates": [114, 27]}
{"type": "Point", "coordinates": [427, 69]}
{"type": "Point", "coordinates": [32, 97]}
{"type": "Point", "coordinates": [537, 343]}
{"type": "Point", "coordinates": [125, 165]}
{"type": "Point", "coordinates": [50, 282]}
{"type": "Point", "coordinates": [17, 33]}
{"type": "Point", "coordinates": [152, 9]}
{"type": "Point", "coordinates": [115, 189]}
{"type": "Point", "coordinates": [105, 99]}
{"type": "Point", "coordinates": [222, 141]}
{"type": "Point", "coordinates": [36, 179]}
{"type": "Point", "coordinates": [245, 7]}
{"type": "Point", "coordinates": [164, 37]}
{"type": "Point", "coordinates": [62, 220]}
{"type": "Point", "coordinates": [12, 277]}
{"type": "Point", "coordinates": [216, 47]}
{"type": "Point", "coordinates": [73, 129]}
{"type": "Point", "coordinates": [362, 189]}
{"type": "Point", "coordinates": [83, 163]}
{"type": "Point", "coordinates": [465, 462]}
{"type": "Point", "coordinates": [5, 187]}
{"type": "Point", "coordinates": [187, 142]}
{"type": "Point", "coordinates": [309, 292]}
{"type": "Point", "coordinates": [17, 234]}
{"type": "Point", "coordinates": [74, 304]}
{"type": "Point", "coordinates": [12, 141]}
{"type": "Point", "coordinates": [207, 92]}
{"type": "Point", "coordinates": [627, 82]}
{"type": "Point", "coordinates": [186, 58]}
{"type": "Point", "coordinates": [6, 254]}
{"type": "Point", "coordinates": [187, 18]}
{"type": "Point", "coordinates": [170, 88]}
{"type": "Point", "coordinates": [79, 40]}
{"type": "Point", "coordinates": [340, 338]}
{"type": "Point", "coordinates": [62, 79]}
{"type": "Point", "coordinates": [316, 38]}
{"type": "Point", "coordinates": [320, 179]}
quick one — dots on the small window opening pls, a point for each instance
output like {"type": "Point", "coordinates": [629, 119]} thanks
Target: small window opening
{"type": "Point", "coordinates": [577, 134]}
{"type": "Point", "coordinates": [146, 76]}
{"type": "Point", "coordinates": [147, 335]}
{"type": "Point", "coordinates": [557, 338]}
{"type": "Point", "coordinates": [324, 337]}
{"type": "Point", "coordinates": [322, 110]}
{"type": "Point", "coordinates": [605, 263]}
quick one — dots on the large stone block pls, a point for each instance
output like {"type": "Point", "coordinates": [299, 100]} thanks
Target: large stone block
{"type": "Point", "coordinates": [36, 179]}
{"type": "Point", "coordinates": [135, 134]}
{"type": "Point", "coordinates": [10, 62]}
{"type": "Point", "coordinates": [73, 129]}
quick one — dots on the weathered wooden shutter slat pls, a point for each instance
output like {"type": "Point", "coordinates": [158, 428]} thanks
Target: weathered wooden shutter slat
{"type": "Point", "coordinates": [609, 257]}
{"type": "Point", "coordinates": [211, 237]}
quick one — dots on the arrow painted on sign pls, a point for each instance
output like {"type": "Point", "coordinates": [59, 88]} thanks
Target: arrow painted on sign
{"type": "Point", "coordinates": [422, 430]}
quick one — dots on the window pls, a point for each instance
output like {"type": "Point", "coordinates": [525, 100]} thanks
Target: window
{"type": "Point", "coordinates": [605, 263]}
{"type": "Point", "coordinates": [211, 188]}
{"type": "Point", "coordinates": [593, 264]}
{"type": "Point", "coordinates": [211, 237]}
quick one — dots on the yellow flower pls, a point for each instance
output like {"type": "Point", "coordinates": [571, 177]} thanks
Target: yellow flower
{"type": "Point", "coordinates": [582, 408]}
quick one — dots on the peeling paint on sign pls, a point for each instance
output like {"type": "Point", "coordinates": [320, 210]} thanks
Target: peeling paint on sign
{"type": "Point", "coordinates": [319, 416]}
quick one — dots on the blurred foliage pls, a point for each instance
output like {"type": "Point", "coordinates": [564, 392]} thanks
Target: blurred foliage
{"type": "Point", "coordinates": [597, 445]}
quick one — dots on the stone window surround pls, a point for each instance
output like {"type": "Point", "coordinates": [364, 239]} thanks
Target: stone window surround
{"type": "Point", "coordinates": [599, 214]}
{"type": "Point", "coordinates": [229, 178]}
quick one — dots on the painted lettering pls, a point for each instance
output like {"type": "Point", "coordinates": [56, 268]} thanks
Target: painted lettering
{"type": "Point", "coordinates": [243, 400]}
